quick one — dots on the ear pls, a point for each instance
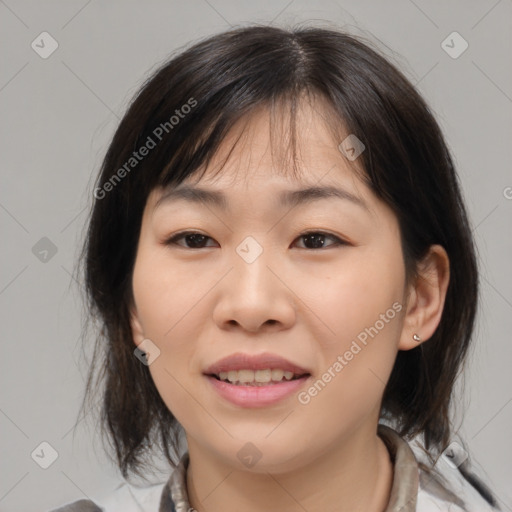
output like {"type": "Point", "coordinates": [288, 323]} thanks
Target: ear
{"type": "Point", "coordinates": [426, 298]}
{"type": "Point", "coordinates": [136, 325]}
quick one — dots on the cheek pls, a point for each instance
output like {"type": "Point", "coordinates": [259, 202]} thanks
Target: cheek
{"type": "Point", "coordinates": [171, 312]}
{"type": "Point", "coordinates": [361, 308]}
{"type": "Point", "coordinates": [166, 297]}
{"type": "Point", "coordinates": [358, 294]}
{"type": "Point", "coordinates": [152, 294]}
{"type": "Point", "coordinates": [355, 370]}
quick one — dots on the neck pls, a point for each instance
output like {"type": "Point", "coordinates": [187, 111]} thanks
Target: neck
{"type": "Point", "coordinates": [355, 475]}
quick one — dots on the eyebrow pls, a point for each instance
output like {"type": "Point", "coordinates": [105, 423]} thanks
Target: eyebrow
{"type": "Point", "coordinates": [287, 198]}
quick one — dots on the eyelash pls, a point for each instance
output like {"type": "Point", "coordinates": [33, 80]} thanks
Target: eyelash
{"type": "Point", "coordinates": [178, 236]}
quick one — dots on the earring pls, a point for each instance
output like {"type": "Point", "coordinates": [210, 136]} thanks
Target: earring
{"type": "Point", "coordinates": [415, 337]}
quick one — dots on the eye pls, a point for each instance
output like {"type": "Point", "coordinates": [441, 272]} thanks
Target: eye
{"type": "Point", "coordinates": [315, 238]}
{"type": "Point", "coordinates": [195, 240]}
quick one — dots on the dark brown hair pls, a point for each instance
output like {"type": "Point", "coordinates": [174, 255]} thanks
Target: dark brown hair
{"type": "Point", "coordinates": [406, 163]}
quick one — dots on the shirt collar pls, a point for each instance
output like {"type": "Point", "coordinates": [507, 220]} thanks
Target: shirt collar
{"type": "Point", "coordinates": [404, 490]}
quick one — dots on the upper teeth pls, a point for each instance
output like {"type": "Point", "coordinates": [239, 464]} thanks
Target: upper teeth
{"type": "Point", "coordinates": [256, 376]}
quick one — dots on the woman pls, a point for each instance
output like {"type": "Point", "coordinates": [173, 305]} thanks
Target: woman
{"type": "Point", "coordinates": [280, 257]}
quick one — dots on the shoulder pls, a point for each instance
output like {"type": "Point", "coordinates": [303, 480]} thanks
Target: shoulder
{"type": "Point", "coordinates": [82, 505]}
{"type": "Point", "coordinates": [447, 485]}
{"type": "Point", "coordinates": [125, 498]}
{"type": "Point", "coordinates": [446, 488]}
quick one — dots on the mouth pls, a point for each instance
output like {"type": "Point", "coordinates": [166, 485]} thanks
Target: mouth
{"type": "Point", "coordinates": [258, 378]}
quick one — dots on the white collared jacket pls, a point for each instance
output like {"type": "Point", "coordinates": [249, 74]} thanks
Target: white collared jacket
{"type": "Point", "coordinates": [414, 489]}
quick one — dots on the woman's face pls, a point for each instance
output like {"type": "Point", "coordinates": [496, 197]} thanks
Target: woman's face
{"type": "Point", "coordinates": [253, 284]}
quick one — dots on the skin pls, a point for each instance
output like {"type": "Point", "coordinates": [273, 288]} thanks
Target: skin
{"type": "Point", "coordinates": [304, 303]}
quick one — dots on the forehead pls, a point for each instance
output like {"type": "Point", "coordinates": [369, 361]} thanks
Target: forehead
{"type": "Point", "coordinates": [285, 156]}
{"type": "Point", "coordinates": [293, 146]}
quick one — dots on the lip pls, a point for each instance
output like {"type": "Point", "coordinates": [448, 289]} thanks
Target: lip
{"type": "Point", "coordinates": [241, 361]}
{"type": "Point", "coordinates": [256, 396]}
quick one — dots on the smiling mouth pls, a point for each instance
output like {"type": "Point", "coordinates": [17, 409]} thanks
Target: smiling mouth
{"type": "Point", "coordinates": [266, 377]}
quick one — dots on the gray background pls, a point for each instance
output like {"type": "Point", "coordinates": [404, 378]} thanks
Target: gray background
{"type": "Point", "coordinates": [58, 115]}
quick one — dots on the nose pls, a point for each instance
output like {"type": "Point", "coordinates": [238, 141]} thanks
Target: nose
{"type": "Point", "coordinates": [255, 297]}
